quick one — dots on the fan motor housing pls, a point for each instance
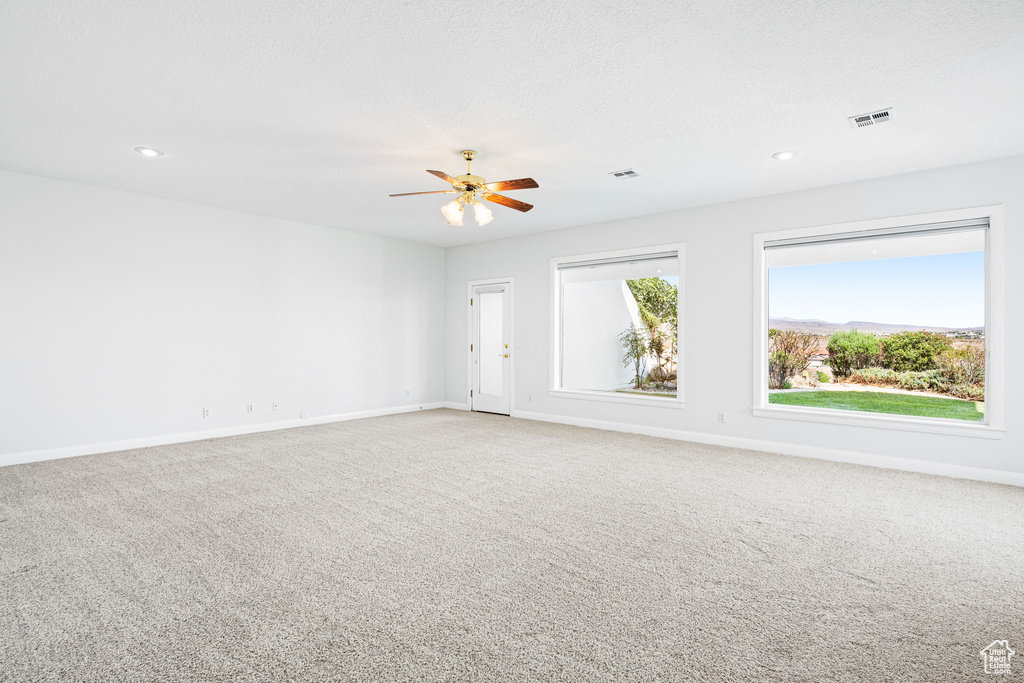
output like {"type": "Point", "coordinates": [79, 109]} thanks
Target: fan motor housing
{"type": "Point", "coordinates": [470, 180]}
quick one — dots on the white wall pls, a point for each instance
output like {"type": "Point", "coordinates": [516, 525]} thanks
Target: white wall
{"type": "Point", "coordinates": [594, 314]}
{"type": "Point", "coordinates": [718, 311]}
{"type": "Point", "coordinates": [122, 316]}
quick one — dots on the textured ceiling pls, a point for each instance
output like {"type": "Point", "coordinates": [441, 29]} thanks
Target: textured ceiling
{"type": "Point", "coordinates": [316, 110]}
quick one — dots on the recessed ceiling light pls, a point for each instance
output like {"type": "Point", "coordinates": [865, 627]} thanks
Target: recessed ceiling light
{"type": "Point", "coordinates": [784, 156]}
{"type": "Point", "coordinates": [149, 152]}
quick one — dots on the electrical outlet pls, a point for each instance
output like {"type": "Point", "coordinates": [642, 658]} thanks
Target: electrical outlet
{"type": "Point", "coordinates": [274, 405]}
{"type": "Point", "coordinates": [529, 399]}
{"type": "Point", "coordinates": [721, 417]}
{"type": "Point", "coordinates": [408, 393]}
{"type": "Point", "coordinates": [206, 412]}
{"type": "Point", "coordinates": [248, 408]}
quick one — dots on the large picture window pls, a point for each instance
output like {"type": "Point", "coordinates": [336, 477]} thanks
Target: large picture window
{"type": "Point", "coordinates": [617, 326]}
{"type": "Point", "coordinates": [891, 321]}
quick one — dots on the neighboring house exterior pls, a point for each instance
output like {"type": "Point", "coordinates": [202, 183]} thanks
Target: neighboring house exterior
{"type": "Point", "coordinates": [817, 360]}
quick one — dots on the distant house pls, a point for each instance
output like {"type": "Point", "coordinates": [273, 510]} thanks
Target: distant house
{"type": "Point", "coordinates": [817, 360]}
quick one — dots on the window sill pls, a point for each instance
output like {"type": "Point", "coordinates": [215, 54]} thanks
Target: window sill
{"type": "Point", "coordinates": [612, 397]}
{"type": "Point", "coordinates": [883, 421]}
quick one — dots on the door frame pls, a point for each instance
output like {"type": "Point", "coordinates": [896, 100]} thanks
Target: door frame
{"type": "Point", "coordinates": [513, 352]}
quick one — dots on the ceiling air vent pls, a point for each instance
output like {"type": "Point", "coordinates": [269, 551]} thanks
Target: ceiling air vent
{"type": "Point", "coordinates": [880, 116]}
{"type": "Point", "coordinates": [625, 175]}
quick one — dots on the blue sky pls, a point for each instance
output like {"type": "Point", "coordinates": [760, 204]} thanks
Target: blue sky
{"type": "Point", "coordinates": [946, 290]}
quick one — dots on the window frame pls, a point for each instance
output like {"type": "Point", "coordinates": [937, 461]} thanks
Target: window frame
{"type": "Point", "coordinates": [993, 426]}
{"type": "Point", "coordinates": [555, 361]}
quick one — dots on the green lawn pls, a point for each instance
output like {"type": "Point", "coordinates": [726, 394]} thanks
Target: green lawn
{"type": "Point", "coordinates": [880, 402]}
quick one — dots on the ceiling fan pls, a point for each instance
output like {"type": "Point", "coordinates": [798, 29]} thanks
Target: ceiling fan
{"type": "Point", "coordinates": [472, 188]}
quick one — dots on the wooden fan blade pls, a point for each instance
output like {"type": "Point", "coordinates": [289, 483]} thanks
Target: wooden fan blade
{"type": "Point", "coordinates": [509, 202]}
{"type": "Point", "coordinates": [443, 176]}
{"type": "Point", "coordinates": [506, 185]}
{"type": "Point", "coordinates": [406, 194]}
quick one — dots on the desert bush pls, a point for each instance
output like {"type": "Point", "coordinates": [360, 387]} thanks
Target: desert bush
{"type": "Point", "coordinates": [964, 370]}
{"type": "Point", "coordinates": [823, 377]}
{"type": "Point", "coordinates": [970, 393]}
{"type": "Point", "coordinates": [848, 351]}
{"type": "Point", "coordinates": [961, 374]}
{"type": "Point", "coordinates": [915, 351]}
{"type": "Point", "coordinates": [874, 375]}
{"type": "Point", "coordinates": [925, 380]}
{"type": "Point", "coordinates": [964, 366]}
{"type": "Point", "coordinates": [789, 353]}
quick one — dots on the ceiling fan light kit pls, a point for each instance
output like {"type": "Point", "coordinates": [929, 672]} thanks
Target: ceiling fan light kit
{"type": "Point", "coordinates": [482, 214]}
{"type": "Point", "coordinates": [471, 189]}
{"type": "Point", "coordinates": [453, 212]}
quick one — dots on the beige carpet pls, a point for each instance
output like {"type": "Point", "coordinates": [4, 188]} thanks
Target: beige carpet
{"type": "Point", "coordinates": [447, 546]}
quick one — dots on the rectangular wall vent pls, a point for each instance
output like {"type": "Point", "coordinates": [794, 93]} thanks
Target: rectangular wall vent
{"type": "Point", "coordinates": [625, 175]}
{"type": "Point", "coordinates": [880, 116]}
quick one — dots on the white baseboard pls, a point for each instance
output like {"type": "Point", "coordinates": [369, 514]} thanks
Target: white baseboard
{"type": "Point", "coordinates": [145, 442]}
{"type": "Point", "coordinates": [854, 457]}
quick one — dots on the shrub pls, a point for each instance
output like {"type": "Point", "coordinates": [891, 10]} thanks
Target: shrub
{"type": "Point", "coordinates": [880, 376]}
{"type": "Point", "coordinates": [789, 352]}
{"type": "Point", "coordinates": [964, 366]}
{"type": "Point", "coordinates": [657, 301]}
{"type": "Point", "coordinates": [848, 351]}
{"type": "Point", "coordinates": [967, 392]}
{"type": "Point", "coordinates": [787, 385]}
{"type": "Point", "coordinates": [926, 380]}
{"type": "Point", "coordinates": [823, 377]}
{"type": "Point", "coordinates": [959, 367]}
{"type": "Point", "coordinates": [635, 345]}
{"type": "Point", "coordinates": [915, 351]}
{"type": "Point", "coordinates": [662, 349]}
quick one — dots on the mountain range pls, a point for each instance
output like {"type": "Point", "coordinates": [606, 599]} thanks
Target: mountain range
{"type": "Point", "coordinates": [824, 327]}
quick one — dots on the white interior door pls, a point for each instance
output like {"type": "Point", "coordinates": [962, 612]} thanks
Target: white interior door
{"type": "Point", "coordinates": [490, 348]}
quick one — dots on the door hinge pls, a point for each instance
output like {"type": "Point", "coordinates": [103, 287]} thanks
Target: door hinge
{"type": "Point", "coordinates": [471, 393]}
{"type": "Point", "coordinates": [470, 302]}
{"type": "Point", "coordinates": [470, 347]}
